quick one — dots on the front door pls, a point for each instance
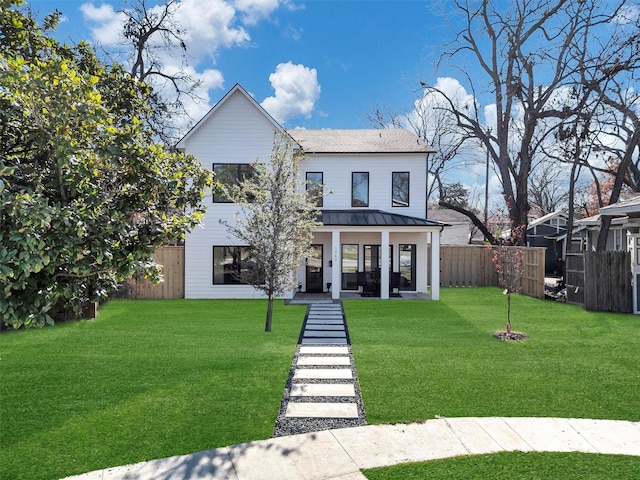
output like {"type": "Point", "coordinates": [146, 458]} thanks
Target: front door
{"type": "Point", "coordinates": [314, 270]}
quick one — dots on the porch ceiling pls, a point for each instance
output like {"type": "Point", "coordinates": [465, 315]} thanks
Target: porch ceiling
{"type": "Point", "coordinates": [365, 218]}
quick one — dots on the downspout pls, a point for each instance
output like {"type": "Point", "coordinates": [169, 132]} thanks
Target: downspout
{"type": "Point", "coordinates": [426, 206]}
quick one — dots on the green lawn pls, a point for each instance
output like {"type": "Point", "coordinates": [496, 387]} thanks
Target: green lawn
{"type": "Point", "coordinates": [416, 360]}
{"type": "Point", "coordinates": [150, 379]}
{"type": "Point", "coordinates": [516, 466]}
{"type": "Point", "coordinates": [146, 379]}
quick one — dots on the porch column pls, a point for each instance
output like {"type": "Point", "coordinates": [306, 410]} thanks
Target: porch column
{"type": "Point", "coordinates": [435, 265]}
{"type": "Point", "coordinates": [336, 262]}
{"type": "Point", "coordinates": [384, 264]}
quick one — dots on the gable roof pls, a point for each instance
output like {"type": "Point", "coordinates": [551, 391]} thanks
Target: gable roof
{"type": "Point", "coordinates": [236, 88]}
{"type": "Point", "coordinates": [391, 140]}
{"type": "Point", "coordinates": [548, 216]}
{"type": "Point", "coordinates": [624, 207]}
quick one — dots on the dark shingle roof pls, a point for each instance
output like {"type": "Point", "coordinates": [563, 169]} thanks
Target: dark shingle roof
{"type": "Point", "coordinates": [364, 218]}
{"type": "Point", "coordinates": [392, 140]}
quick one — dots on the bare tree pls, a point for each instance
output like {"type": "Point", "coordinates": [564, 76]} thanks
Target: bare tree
{"type": "Point", "coordinates": [502, 54]}
{"type": "Point", "coordinates": [433, 125]}
{"type": "Point", "coordinates": [152, 34]}
{"type": "Point", "coordinates": [549, 188]}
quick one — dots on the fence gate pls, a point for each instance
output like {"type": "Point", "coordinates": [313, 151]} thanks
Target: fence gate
{"type": "Point", "coordinates": [607, 278]}
{"type": "Point", "coordinates": [574, 277]}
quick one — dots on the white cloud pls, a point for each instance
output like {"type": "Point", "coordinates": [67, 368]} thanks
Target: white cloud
{"type": "Point", "coordinates": [106, 23]}
{"type": "Point", "coordinates": [208, 25]}
{"type": "Point", "coordinates": [255, 10]}
{"type": "Point", "coordinates": [296, 91]}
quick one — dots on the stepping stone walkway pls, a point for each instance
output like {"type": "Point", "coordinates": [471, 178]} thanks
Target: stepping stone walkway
{"type": "Point", "coordinates": [322, 391]}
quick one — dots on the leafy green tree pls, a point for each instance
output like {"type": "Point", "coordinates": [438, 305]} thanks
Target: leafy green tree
{"type": "Point", "coordinates": [86, 195]}
{"type": "Point", "coordinates": [277, 220]}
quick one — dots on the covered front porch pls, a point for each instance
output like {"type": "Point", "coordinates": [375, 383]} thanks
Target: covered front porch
{"type": "Point", "coordinates": [372, 254]}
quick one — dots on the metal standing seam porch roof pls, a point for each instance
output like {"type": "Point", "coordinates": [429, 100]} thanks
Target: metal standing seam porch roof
{"type": "Point", "coordinates": [367, 218]}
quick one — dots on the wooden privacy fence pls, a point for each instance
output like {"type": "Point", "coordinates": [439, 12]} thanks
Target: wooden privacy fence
{"type": "Point", "coordinates": [460, 266]}
{"type": "Point", "coordinates": [172, 260]}
{"type": "Point", "coordinates": [471, 266]}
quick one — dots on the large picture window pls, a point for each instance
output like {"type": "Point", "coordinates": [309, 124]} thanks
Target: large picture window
{"type": "Point", "coordinates": [231, 265]}
{"type": "Point", "coordinates": [360, 189]}
{"type": "Point", "coordinates": [231, 174]}
{"type": "Point", "coordinates": [314, 185]}
{"type": "Point", "coordinates": [400, 189]}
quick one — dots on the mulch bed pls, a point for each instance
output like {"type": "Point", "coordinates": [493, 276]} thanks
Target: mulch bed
{"type": "Point", "coordinates": [511, 336]}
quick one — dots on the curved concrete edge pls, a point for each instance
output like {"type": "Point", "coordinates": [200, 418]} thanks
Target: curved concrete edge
{"type": "Point", "coordinates": [341, 454]}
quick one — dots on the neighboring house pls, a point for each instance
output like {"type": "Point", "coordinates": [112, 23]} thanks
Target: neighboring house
{"type": "Point", "coordinates": [373, 221]}
{"type": "Point", "coordinates": [586, 231]}
{"type": "Point", "coordinates": [459, 228]}
{"type": "Point", "coordinates": [549, 231]}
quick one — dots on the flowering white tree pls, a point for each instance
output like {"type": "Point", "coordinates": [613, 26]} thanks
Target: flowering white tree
{"type": "Point", "coordinates": [277, 220]}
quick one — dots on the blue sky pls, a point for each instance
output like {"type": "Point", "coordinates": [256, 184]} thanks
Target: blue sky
{"type": "Point", "coordinates": [324, 63]}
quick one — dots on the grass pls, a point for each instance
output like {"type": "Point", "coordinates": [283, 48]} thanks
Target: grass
{"type": "Point", "coordinates": [146, 379]}
{"type": "Point", "coordinates": [151, 379]}
{"type": "Point", "coordinates": [516, 466]}
{"type": "Point", "coordinates": [417, 359]}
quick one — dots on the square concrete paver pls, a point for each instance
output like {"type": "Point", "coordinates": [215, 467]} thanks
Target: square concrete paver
{"type": "Point", "coordinates": [323, 373]}
{"type": "Point", "coordinates": [321, 410]}
{"type": "Point", "coordinates": [322, 390]}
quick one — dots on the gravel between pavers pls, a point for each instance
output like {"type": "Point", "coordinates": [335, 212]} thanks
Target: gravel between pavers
{"type": "Point", "coordinates": [291, 426]}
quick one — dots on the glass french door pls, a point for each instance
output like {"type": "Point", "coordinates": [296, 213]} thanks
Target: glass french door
{"type": "Point", "coordinates": [314, 270]}
{"type": "Point", "coordinates": [407, 267]}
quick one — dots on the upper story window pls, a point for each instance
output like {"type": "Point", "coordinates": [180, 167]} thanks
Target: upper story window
{"type": "Point", "coordinates": [230, 174]}
{"type": "Point", "coordinates": [314, 185]}
{"type": "Point", "coordinates": [360, 189]}
{"type": "Point", "coordinates": [400, 189]}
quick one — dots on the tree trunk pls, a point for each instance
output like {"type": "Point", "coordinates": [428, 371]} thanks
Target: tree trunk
{"type": "Point", "coordinates": [267, 326]}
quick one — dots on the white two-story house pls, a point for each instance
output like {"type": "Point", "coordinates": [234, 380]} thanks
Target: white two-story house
{"type": "Point", "coordinates": [374, 236]}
